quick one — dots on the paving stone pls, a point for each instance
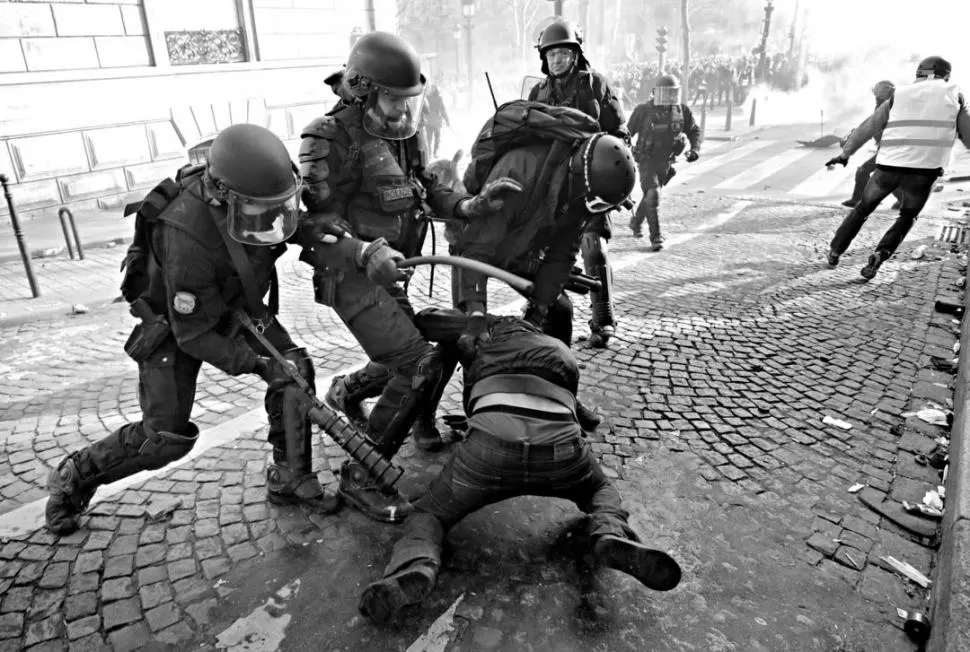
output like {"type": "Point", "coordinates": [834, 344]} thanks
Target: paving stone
{"type": "Point", "coordinates": [216, 567]}
{"type": "Point", "coordinates": [179, 569]}
{"type": "Point", "coordinates": [126, 544]}
{"type": "Point", "coordinates": [117, 589]}
{"type": "Point", "coordinates": [201, 612]}
{"type": "Point", "coordinates": [11, 625]}
{"type": "Point", "coordinates": [206, 548]}
{"type": "Point", "coordinates": [155, 594]}
{"type": "Point", "coordinates": [121, 613]}
{"type": "Point", "coordinates": [46, 603]}
{"type": "Point", "coordinates": [120, 566]}
{"type": "Point", "coordinates": [242, 551]}
{"type": "Point", "coordinates": [162, 616]}
{"type": "Point", "coordinates": [35, 553]}
{"type": "Point", "coordinates": [822, 543]}
{"type": "Point", "coordinates": [233, 534]}
{"type": "Point", "coordinates": [206, 528]}
{"type": "Point", "coordinates": [98, 541]}
{"type": "Point", "coordinates": [16, 599]}
{"type": "Point", "coordinates": [150, 555]}
{"type": "Point", "coordinates": [178, 551]}
{"type": "Point", "coordinates": [154, 533]}
{"type": "Point", "coordinates": [130, 638]}
{"type": "Point", "coordinates": [91, 643]}
{"type": "Point", "coordinates": [152, 575]}
{"type": "Point", "coordinates": [190, 590]}
{"type": "Point", "coordinates": [175, 635]}
{"type": "Point", "coordinates": [81, 605]}
{"type": "Point", "coordinates": [55, 575]}
{"type": "Point", "coordinates": [44, 630]}
{"type": "Point", "coordinates": [83, 627]}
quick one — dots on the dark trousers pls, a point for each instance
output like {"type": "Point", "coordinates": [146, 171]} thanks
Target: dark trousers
{"type": "Point", "coordinates": [653, 176]}
{"type": "Point", "coordinates": [915, 187]}
{"type": "Point", "coordinates": [485, 469]}
{"type": "Point", "coordinates": [862, 174]}
{"type": "Point", "coordinates": [166, 394]}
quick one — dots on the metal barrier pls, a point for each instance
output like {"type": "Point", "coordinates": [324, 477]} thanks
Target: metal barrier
{"type": "Point", "coordinates": [21, 244]}
{"type": "Point", "coordinates": [67, 217]}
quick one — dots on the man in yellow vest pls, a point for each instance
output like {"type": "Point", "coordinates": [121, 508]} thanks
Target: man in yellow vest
{"type": "Point", "coordinates": [918, 128]}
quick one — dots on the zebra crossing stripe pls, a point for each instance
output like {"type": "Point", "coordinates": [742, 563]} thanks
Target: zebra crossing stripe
{"type": "Point", "coordinates": [688, 172]}
{"type": "Point", "coordinates": [764, 169]}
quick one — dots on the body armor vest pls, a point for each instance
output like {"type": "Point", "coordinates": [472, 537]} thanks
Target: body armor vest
{"type": "Point", "coordinates": [662, 129]}
{"type": "Point", "coordinates": [389, 199]}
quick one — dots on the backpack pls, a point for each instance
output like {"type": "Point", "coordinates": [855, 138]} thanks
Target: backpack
{"type": "Point", "coordinates": [520, 123]}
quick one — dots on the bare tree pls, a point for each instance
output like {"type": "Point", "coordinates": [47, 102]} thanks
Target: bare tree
{"type": "Point", "coordinates": [685, 30]}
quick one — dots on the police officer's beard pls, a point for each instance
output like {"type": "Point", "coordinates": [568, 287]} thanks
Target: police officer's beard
{"type": "Point", "coordinates": [379, 123]}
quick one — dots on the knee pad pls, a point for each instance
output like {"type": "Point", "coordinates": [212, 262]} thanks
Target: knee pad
{"type": "Point", "coordinates": [300, 357]}
{"type": "Point", "coordinates": [161, 448]}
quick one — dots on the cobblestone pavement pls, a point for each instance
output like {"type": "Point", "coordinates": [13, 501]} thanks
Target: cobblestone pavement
{"type": "Point", "coordinates": [734, 343]}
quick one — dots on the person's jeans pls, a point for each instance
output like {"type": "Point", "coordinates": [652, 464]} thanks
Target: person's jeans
{"type": "Point", "coordinates": [915, 187]}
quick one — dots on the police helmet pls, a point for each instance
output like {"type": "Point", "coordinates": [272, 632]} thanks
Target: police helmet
{"type": "Point", "coordinates": [666, 91]}
{"type": "Point", "coordinates": [560, 34]}
{"type": "Point", "coordinates": [933, 68]}
{"type": "Point", "coordinates": [384, 64]}
{"type": "Point", "coordinates": [252, 174]}
{"type": "Point", "coordinates": [604, 166]}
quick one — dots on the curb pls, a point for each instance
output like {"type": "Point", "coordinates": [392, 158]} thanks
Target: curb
{"type": "Point", "coordinates": [39, 254]}
{"type": "Point", "coordinates": [58, 310]}
{"type": "Point", "coordinates": [950, 608]}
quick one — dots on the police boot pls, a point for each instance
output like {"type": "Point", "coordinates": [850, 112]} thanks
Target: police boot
{"type": "Point", "coordinates": [654, 568]}
{"type": "Point", "coordinates": [588, 419]}
{"type": "Point", "coordinates": [284, 487]}
{"type": "Point", "coordinates": [382, 599]}
{"type": "Point", "coordinates": [599, 336]}
{"type": "Point", "coordinates": [426, 435]}
{"type": "Point", "coordinates": [346, 394]}
{"type": "Point", "coordinates": [68, 499]}
{"type": "Point", "coordinates": [361, 491]}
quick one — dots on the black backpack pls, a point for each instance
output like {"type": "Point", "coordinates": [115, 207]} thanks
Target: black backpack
{"type": "Point", "coordinates": [519, 123]}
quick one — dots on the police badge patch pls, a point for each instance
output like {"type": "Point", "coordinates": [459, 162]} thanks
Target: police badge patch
{"type": "Point", "coordinates": [185, 303]}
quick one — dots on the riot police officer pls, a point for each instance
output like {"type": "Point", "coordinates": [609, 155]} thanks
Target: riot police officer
{"type": "Point", "coordinates": [570, 81]}
{"type": "Point", "coordinates": [364, 172]}
{"type": "Point", "coordinates": [205, 247]}
{"type": "Point", "coordinates": [660, 126]}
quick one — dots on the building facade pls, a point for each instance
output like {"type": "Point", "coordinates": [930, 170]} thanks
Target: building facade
{"type": "Point", "coordinates": [100, 99]}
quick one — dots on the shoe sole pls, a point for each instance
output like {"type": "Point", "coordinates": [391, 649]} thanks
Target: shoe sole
{"type": "Point", "coordinates": [382, 600]}
{"type": "Point", "coordinates": [654, 568]}
{"type": "Point", "coordinates": [390, 517]}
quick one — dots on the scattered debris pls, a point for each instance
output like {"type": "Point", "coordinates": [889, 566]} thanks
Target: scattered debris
{"type": "Point", "coordinates": [856, 488]}
{"type": "Point", "coordinates": [917, 627]}
{"type": "Point", "coordinates": [923, 510]}
{"type": "Point", "coordinates": [902, 613]}
{"type": "Point", "coordinates": [907, 571]}
{"type": "Point", "coordinates": [78, 309]}
{"type": "Point", "coordinates": [956, 347]}
{"type": "Point", "coordinates": [932, 416]}
{"type": "Point", "coordinates": [942, 364]}
{"type": "Point", "coordinates": [932, 499]}
{"type": "Point", "coordinates": [918, 252]}
{"type": "Point", "coordinates": [838, 423]}
{"type": "Point", "coordinates": [158, 510]}
{"type": "Point", "coordinates": [893, 511]}
{"type": "Point", "coordinates": [949, 305]}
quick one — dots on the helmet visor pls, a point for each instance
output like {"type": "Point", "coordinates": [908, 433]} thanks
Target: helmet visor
{"type": "Point", "coordinates": [263, 221]}
{"type": "Point", "coordinates": [666, 95]}
{"type": "Point", "coordinates": [391, 115]}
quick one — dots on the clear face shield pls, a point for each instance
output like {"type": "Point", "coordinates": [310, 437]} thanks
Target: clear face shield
{"type": "Point", "coordinates": [263, 221]}
{"type": "Point", "coordinates": [666, 95]}
{"type": "Point", "coordinates": [392, 116]}
{"type": "Point", "coordinates": [560, 60]}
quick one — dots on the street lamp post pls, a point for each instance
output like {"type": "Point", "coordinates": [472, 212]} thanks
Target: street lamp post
{"type": "Point", "coordinates": [468, 11]}
{"type": "Point", "coordinates": [762, 71]}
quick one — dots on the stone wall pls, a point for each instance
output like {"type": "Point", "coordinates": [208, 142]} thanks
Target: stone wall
{"type": "Point", "coordinates": [100, 99]}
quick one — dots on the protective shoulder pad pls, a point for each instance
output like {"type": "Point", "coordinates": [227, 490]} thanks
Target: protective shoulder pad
{"type": "Point", "coordinates": [193, 216]}
{"type": "Point", "coordinates": [322, 127]}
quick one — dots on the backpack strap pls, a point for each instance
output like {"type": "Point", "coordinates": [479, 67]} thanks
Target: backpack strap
{"type": "Point", "coordinates": [250, 288]}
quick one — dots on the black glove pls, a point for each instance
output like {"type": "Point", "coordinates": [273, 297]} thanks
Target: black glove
{"type": "Point", "coordinates": [692, 155]}
{"type": "Point", "coordinates": [476, 332]}
{"type": "Point", "coordinates": [841, 158]}
{"type": "Point", "coordinates": [324, 224]}
{"type": "Point", "coordinates": [274, 373]}
{"type": "Point", "coordinates": [491, 199]}
{"type": "Point", "coordinates": [380, 260]}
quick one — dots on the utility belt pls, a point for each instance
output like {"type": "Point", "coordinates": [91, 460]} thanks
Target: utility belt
{"type": "Point", "coordinates": [548, 403]}
{"type": "Point", "coordinates": [147, 335]}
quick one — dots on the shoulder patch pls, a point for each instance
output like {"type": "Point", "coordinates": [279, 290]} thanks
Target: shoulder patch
{"type": "Point", "coordinates": [185, 303]}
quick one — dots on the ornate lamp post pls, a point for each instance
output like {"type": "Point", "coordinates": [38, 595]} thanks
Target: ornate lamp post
{"type": "Point", "coordinates": [468, 11]}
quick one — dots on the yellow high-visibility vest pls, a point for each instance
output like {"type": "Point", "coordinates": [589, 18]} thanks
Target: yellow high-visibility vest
{"type": "Point", "coordinates": [922, 126]}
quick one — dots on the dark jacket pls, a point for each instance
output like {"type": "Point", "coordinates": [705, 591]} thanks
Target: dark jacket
{"type": "Point", "coordinates": [586, 90]}
{"type": "Point", "coordinates": [654, 130]}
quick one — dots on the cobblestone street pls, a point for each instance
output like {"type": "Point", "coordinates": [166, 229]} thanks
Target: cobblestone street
{"type": "Point", "coordinates": [734, 344]}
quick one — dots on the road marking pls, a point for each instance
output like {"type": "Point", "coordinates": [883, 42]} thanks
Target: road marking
{"type": "Point", "coordinates": [264, 629]}
{"type": "Point", "coordinates": [26, 519]}
{"type": "Point", "coordinates": [763, 170]}
{"type": "Point", "coordinates": [689, 172]}
{"type": "Point", "coordinates": [824, 182]}
{"type": "Point", "coordinates": [438, 634]}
